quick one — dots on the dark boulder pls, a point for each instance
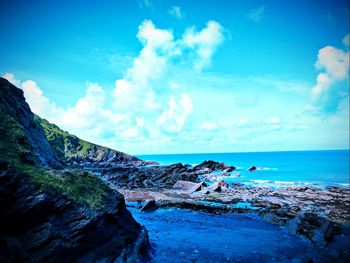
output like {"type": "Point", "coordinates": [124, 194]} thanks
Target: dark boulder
{"type": "Point", "coordinates": [317, 229]}
{"type": "Point", "coordinates": [252, 168]}
{"type": "Point", "coordinates": [214, 166]}
{"type": "Point", "coordinates": [149, 205]}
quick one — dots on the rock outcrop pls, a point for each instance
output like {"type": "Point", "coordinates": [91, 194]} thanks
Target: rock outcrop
{"type": "Point", "coordinates": [20, 134]}
{"type": "Point", "coordinates": [50, 215]}
{"type": "Point", "coordinates": [214, 166]}
{"type": "Point", "coordinates": [77, 153]}
{"type": "Point", "coordinates": [41, 226]}
{"type": "Point", "coordinates": [159, 176]}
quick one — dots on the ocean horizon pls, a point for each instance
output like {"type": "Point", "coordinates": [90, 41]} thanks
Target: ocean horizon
{"type": "Point", "coordinates": [313, 168]}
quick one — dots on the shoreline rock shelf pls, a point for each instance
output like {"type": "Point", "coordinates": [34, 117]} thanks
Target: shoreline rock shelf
{"type": "Point", "coordinates": [320, 216]}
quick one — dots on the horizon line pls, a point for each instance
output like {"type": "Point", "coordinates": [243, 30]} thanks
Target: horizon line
{"type": "Point", "coordinates": [241, 152]}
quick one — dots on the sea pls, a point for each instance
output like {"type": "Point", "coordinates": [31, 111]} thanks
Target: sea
{"type": "Point", "coordinates": [321, 169]}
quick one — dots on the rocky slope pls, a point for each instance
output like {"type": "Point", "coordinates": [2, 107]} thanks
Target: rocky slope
{"type": "Point", "coordinates": [22, 139]}
{"type": "Point", "coordinates": [75, 152]}
{"type": "Point", "coordinates": [54, 215]}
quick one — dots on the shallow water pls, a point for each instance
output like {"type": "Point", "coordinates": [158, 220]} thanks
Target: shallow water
{"type": "Point", "coordinates": [294, 168]}
{"type": "Point", "coordinates": [179, 235]}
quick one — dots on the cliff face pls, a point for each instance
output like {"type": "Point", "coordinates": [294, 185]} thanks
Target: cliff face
{"type": "Point", "coordinates": [21, 136]}
{"type": "Point", "coordinates": [37, 225]}
{"type": "Point", "coordinates": [53, 215]}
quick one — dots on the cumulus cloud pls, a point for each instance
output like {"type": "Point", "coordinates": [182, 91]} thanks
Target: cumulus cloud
{"type": "Point", "coordinates": [242, 123]}
{"type": "Point", "coordinates": [136, 89]}
{"type": "Point", "coordinates": [39, 103]}
{"type": "Point", "coordinates": [173, 118]}
{"type": "Point", "coordinates": [328, 93]}
{"type": "Point", "coordinates": [204, 42]}
{"type": "Point", "coordinates": [256, 14]}
{"type": "Point", "coordinates": [88, 114]}
{"type": "Point", "coordinates": [176, 12]}
{"type": "Point", "coordinates": [273, 120]}
{"type": "Point", "coordinates": [149, 69]}
{"type": "Point", "coordinates": [149, 103]}
{"type": "Point", "coordinates": [11, 78]}
{"type": "Point", "coordinates": [149, 82]}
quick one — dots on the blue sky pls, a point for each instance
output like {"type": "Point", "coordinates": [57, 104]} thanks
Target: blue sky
{"type": "Point", "coordinates": [161, 76]}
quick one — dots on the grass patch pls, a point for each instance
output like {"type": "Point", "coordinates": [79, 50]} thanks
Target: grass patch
{"type": "Point", "coordinates": [63, 143]}
{"type": "Point", "coordinates": [79, 186]}
{"type": "Point", "coordinates": [13, 142]}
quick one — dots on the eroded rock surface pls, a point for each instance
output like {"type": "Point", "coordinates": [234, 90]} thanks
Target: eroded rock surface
{"type": "Point", "coordinates": [160, 176]}
{"type": "Point", "coordinates": [41, 226]}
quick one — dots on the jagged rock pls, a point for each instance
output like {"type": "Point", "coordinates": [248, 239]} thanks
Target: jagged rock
{"type": "Point", "coordinates": [189, 186]}
{"type": "Point", "coordinates": [217, 186]}
{"type": "Point", "coordinates": [149, 205]}
{"type": "Point", "coordinates": [183, 185]}
{"type": "Point", "coordinates": [39, 226]}
{"type": "Point", "coordinates": [15, 113]}
{"type": "Point", "coordinates": [252, 168]}
{"type": "Point", "coordinates": [317, 229]}
{"type": "Point", "coordinates": [214, 166]}
{"type": "Point", "coordinates": [198, 187]}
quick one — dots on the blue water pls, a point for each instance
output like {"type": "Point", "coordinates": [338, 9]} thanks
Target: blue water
{"type": "Point", "coordinates": [179, 235]}
{"type": "Point", "coordinates": [295, 168]}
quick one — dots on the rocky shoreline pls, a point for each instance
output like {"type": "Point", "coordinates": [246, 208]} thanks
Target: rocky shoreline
{"type": "Point", "coordinates": [321, 216]}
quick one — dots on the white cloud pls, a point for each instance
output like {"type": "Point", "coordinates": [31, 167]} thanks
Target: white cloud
{"type": "Point", "coordinates": [273, 120]}
{"type": "Point", "coordinates": [242, 123]}
{"type": "Point", "coordinates": [150, 102]}
{"type": "Point", "coordinates": [11, 78]}
{"type": "Point", "coordinates": [176, 12]}
{"type": "Point", "coordinates": [135, 90]}
{"type": "Point", "coordinates": [130, 133]}
{"type": "Point", "coordinates": [333, 63]}
{"type": "Point", "coordinates": [256, 14]}
{"type": "Point", "coordinates": [88, 114]}
{"type": "Point", "coordinates": [204, 42]}
{"type": "Point", "coordinates": [39, 103]}
{"type": "Point", "coordinates": [173, 118]}
{"type": "Point", "coordinates": [138, 92]}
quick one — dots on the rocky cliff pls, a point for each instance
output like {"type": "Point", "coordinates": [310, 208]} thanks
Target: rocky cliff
{"type": "Point", "coordinates": [75, 152]}
{"type": "Point", "coordinates": [48, 214]}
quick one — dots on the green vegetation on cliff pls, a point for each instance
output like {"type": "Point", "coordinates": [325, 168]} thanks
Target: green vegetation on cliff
{"type": "Point", "coordinates": [17, 151]}
{"type": "Point", "coordinates": [63, 143]}
{"type": "Point", "coordinates": [80, 186]}
{"type": "Point", "coordinates": [13, 143]}
{"type": "Point", "coordinates": [67, 146]}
